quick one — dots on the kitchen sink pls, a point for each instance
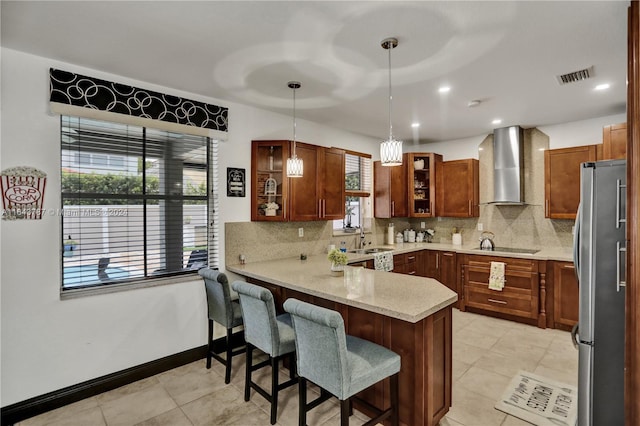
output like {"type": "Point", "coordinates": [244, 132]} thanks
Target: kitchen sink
{"type": "Point", "coordinates": [370, 250]}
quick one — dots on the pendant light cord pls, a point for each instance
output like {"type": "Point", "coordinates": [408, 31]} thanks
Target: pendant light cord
{"type": "Point", "coordinates": [390, 97]}
{"type": "Point", "coordinates": [294, 122]}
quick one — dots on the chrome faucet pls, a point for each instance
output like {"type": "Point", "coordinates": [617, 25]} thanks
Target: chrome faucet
{"type": "Point", "coordinates": [361, 241]}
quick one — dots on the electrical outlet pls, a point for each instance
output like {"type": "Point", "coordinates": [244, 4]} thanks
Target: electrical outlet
{"type": "Point", "coordinates": [423, 225]}
{"type": "Point", "coordinates": [300, 232]}
{"type": "Point", "coordinates": [480, 227]}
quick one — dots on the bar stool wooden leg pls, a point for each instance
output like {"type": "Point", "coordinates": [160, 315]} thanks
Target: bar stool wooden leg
{"type": "Point", "coordinates": [302, 403]}
{"type": "Point", "coordinates": [274, 389]}
{"type": "Point", "coordinates": [247, 372]}
{"type": "Point", "coordinates": [395, 403]}
{"type": "Point", "coordinates": [227, 372]}
{"type": "Point", "coordinates": [344, 412]}
{"type": "Point", "coordinates": [210, 345]}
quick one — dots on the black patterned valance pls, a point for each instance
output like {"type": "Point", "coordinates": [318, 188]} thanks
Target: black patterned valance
{"type": "Point", "coordinates": [79, 90]}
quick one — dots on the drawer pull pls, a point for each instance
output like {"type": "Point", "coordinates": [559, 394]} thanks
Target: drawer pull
{"type": "Point", "coordinates": [502, 302]}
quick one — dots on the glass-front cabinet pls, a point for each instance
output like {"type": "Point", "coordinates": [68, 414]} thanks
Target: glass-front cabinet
{"type": "Point", "coordinates": [422, 183]}
{"type": "Point", "coordinates": [269, 182]}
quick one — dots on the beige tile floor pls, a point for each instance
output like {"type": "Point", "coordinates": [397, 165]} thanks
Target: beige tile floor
{"type": "Point", "coordinates": [487, 352]}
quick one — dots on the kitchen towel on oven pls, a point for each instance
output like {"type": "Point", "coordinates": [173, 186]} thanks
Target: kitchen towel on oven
{"type": "Point", "coordinates": [496, 276]}
{"type": "Point", "coordinates": [383, 261]}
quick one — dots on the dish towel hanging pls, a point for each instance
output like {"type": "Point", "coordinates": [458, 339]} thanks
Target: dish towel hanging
{"type": "Point", "coordinates": [383, 261]}
{"type": "Point", "coordinates": [496, 276]}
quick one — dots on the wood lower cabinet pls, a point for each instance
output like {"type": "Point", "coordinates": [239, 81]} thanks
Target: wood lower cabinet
{"type": "Point", "coordinates": [520, 297]}
{"type": "Point", "coordinates": [458, 188]}
{"type": "Point", "coordinates": [565, 295]}
{"type": "Point", "coordinates": [390, 190]}
{"type": "Point", "coordinates": [406, 263]}
{"type": "Point", "coordinates": [562, 180]}
{"type": "Point", "coordinates": [441, 265]}
{"type": "Point", "coordinates": [424, 347]}
{"type": "Point", "coordinates": [614, 142]}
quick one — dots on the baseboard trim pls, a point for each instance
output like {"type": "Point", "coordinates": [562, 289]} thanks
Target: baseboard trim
{"type": "Point", "coordinates": [41, 404]}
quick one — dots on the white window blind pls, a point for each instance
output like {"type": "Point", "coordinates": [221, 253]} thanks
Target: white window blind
{"type": "Point", "coordinates": [358, 184]}
{"type": "Point", "coordinates": [144, 215]}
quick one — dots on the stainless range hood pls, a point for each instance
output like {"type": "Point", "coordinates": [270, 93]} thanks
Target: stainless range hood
{"type": "Point", "coordinates": [508, 166]}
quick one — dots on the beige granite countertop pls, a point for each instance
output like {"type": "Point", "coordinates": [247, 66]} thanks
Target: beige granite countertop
{"type": "Point", "coordinates": [400, 296]}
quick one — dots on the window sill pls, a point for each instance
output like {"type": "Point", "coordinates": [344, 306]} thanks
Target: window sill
{"type": "Point", "coordinates": [341, 233]}
{"type": "Point", "coordinates": [131, 285]}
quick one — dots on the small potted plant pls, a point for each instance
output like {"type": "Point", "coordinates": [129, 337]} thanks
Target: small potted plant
{"type": "Point", "coordinates": [270, 208]}
{"type": "Point", "coordinates": [338, 260]}
{"type": "Point", "coordinates": [349, 211]}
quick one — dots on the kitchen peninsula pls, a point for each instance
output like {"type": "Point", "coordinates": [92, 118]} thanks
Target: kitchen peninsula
{"type": "Point", "coordinates": [409, 315]}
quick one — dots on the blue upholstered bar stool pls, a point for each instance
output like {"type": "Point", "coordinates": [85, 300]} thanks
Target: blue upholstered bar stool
{"type": "Point", "coordinates": [223, 310]}
{"type": "Point", "coordinates": [339, 364]}
{"type": "Point", "coordinates": [271, 334]}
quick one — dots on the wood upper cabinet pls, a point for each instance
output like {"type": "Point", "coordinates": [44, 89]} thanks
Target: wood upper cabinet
{"type": "Point", "coordinates": [458, 188]}
{"type": "Point", "coordinates": [269, 183]}
{"type": "Point", "coordinates": [422, 183]}
{"type": "Point", "coordinates": [565, 295]}
{"type": "Point", "coordinates": [562, 180]}
{"type": "Point", "coordinates": [319, 193]}
{"type": "Point", "coordinates": [390, 190]}
{"type": "Point", "coordinates": [614, 141]}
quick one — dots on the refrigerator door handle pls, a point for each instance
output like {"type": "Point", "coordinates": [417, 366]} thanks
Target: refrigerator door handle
{"type": "Point", "coordinates": [619, 188]}
{"type": "Point", "coordinates": [619, 251]}
{"type": "Point", "coordinates": [574, 335]}
{"type": "Point", "coordinates": [576, 245]}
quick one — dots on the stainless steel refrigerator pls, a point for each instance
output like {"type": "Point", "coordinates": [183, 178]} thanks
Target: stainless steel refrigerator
{"type": "Point", "coordinates": [599, 256]}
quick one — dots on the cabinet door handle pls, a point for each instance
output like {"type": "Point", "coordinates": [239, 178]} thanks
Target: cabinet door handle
{"type": "Point", "coordinates": [470, 214]}
{"type": "Point", "coordinates": [393, 208]}
{"type": "Point", "coordinates": [502, 302]}
{"type": "Point", "coordinates": [411, 258]}
{"type": "Point", "coordinates": [320, 208]}
{"type": "Point", "coordinates": [324, 208]}
{"type": "Point", "coordinates": [568, 267]}
{"type": "Point", "coordinates": [284, 211]}
{"type": "Point", "coordinates": [546, 207]}
{"type": "Point", "coordinates": [619, 251]}
{"type": "Point", "coordinates": [437, 260]}
{"type": "Point", "coordinates": [431, 209]}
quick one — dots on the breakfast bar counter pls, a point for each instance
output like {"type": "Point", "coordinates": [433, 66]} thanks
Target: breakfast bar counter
{"type": "Point", "coordinates": [407, 314]}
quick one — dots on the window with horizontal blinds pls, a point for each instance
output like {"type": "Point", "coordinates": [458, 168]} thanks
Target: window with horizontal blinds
{"type": "Point", "coordinates": [358, 184]}
{"type": "Point", "coordinates": [134, 203]}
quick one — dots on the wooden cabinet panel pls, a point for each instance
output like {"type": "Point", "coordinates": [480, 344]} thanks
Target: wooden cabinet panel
{"type": "Point", "coordinates": [565, 295]}
{"type": "Point", "coordinates": [318, 195]}
{"type": "Point", "coordinates": [520, 295]}
{"type": "Point", "coordinates": [458, 188]}
{"type": "Point", "coordinates": [422, 183]}
{"type": "Point", "coordinates": [614, 141]}
{"type": "Point", "coordinates": [448, 270]}
{"type": "Point", "coordinates": [332, 183]}
{"type": "Point", "coordinates": [562, 180]}
{"type": "Point", "coordinates": [268, 179]}
{"type": "Point", "coordinates": [390, 190]}
{"type": "Point", "coordinates": [304, 190]}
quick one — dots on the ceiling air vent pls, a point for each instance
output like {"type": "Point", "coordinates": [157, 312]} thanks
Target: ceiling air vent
{"type": "Point", "coordinates": [572, 77]}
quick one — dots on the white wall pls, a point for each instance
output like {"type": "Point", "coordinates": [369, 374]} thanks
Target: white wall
{"type": "Point", "coordinates": [576, 133]}
{"type": "Point", "coordinates": [48, 344]}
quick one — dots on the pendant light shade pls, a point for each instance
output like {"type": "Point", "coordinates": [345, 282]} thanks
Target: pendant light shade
{"type": "Point", "coordinates": [390, 149]}
{"type": "Point", "coordinates": [294, 164]}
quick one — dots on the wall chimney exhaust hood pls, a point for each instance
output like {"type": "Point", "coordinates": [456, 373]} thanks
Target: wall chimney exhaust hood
{"type": "Point", "coordinates": [508, 166]}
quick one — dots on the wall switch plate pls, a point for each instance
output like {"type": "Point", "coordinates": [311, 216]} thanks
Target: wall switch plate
{"type": "Point", "coordinates": [423, 225]}
{"type": "Point", "coordinates": [480, 227]}
{"type": "Point", "coordinates": [300, 232]}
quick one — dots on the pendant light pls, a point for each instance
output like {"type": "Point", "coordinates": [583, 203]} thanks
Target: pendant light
{"type": "Point", "coordinates": [390, 149]}
{"type": "Point", "coordinates": [294, 164]}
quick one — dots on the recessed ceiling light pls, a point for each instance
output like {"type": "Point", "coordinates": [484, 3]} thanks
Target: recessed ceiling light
{"type": "Point", "coordinates": [473, 103]}
{"type": "Point", "coordinates": [444, 89]}
{"type": "Point", "coordinates": [496, 121]}
{"type": "Point", "coordinates": [604, 86]}
{"type": "Point", "coordinates": [414, 125]}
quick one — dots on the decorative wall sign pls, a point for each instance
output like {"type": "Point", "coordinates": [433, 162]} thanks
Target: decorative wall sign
{"type": "Point", "coordinates": [79, 90]}
{"type": "Point", "coordinates": [235, 182]}
{"type": "Point", "coordinates": [22, 192]}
